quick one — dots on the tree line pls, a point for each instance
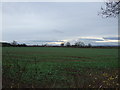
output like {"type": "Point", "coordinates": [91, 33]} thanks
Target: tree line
{"type": "Point", "coordinates": [14, 44]}
{"type": "Point", "coordinates": [77, 44]}
{"type": "Point", "coordinates": [63, 44]}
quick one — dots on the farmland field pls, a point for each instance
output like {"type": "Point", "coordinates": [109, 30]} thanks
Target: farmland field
{"type": "Point", "coordinates": [59, 67]}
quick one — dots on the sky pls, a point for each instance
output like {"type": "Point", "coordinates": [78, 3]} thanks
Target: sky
{"type": "Point", "coordinates": [57, 22]}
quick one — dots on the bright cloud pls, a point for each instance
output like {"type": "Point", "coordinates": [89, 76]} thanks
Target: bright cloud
{"type": "Point", "coordinates": [108, 41]}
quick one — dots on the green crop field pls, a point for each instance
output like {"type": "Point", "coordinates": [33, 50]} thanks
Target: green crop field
{"type": "Point", "coordinates": [60, 67]}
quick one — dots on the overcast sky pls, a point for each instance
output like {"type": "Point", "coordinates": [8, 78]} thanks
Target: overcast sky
{"type": "Point", "coordinates": [50, 21]}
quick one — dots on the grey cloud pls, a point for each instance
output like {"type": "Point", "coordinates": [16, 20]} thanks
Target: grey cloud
{"type": "Point", "coordinates": [92, 39]}
{"type": "Point", "coordinates": [111, 38]}
{"type": "Point", "coordinates": [45, 41]}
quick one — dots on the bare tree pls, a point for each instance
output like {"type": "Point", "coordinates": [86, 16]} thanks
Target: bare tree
{"type": "Point", "coordinates": [112, 9]}
{"type": "Point", "coordinates": [89, 45]}
{"type": "Point", "coordinates": [14, 43]}
{"type": "Point", "coordinates": [68, 44]}
{"type": "Point", "coordinates": [80, 44]}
